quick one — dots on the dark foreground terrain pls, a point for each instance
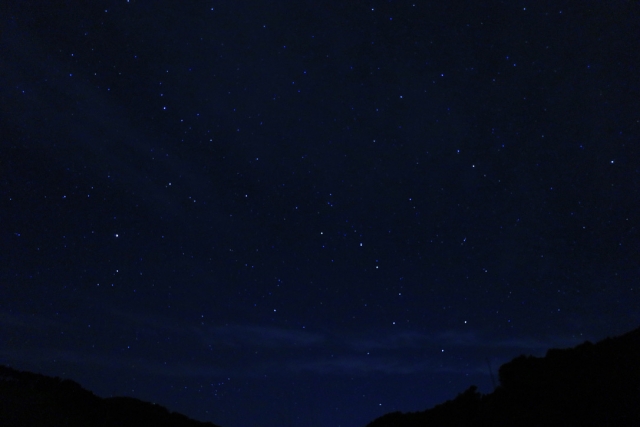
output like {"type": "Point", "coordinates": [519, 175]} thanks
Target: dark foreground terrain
{"type": "Point", "coordinates": [28, 399]}
{"type": "Point", "coordinates": [589, 385]}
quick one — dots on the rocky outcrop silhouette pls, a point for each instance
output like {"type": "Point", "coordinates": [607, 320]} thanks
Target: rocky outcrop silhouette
{"type": "Point", "coordinates": [29, 399]}
{"type": "Point", "coordinates": [589, 385]}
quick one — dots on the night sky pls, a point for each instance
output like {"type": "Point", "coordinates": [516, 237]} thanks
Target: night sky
{"type": "Point", "coordinates": [313, 213]}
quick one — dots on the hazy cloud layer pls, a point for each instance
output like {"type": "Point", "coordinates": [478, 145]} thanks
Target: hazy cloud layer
{"type": "Point", "coordinates": [266, 349]}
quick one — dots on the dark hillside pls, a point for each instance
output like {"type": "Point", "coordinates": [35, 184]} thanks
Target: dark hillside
{"type": "Point", "coordinates": [28, 399]}
{"type": "Point", "coordinates": [589, 385]}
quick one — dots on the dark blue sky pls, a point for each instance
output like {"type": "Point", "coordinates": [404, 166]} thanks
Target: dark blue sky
{"type": "Point", "coordinates": [313, 213]}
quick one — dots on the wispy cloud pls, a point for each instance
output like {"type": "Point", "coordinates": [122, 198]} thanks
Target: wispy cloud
{"type": "Point", "coordinates": [459, 339]}
{"type": "Point", "coordinates": [24, 323]}
{"type": "Point", "coordinates": [360, 365]}
{"type": "Point", "coordinates": [258, 336]}
{"type": "Point", "coordinates": [263, 349]}
{"type": "Point", "coordinates": [389, 341]}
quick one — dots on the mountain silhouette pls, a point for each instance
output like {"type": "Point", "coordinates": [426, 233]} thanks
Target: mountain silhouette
{"type": "Point", "coordinates": [589, 385]}
{"type": "Point", "coordinates": [29, 399]}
